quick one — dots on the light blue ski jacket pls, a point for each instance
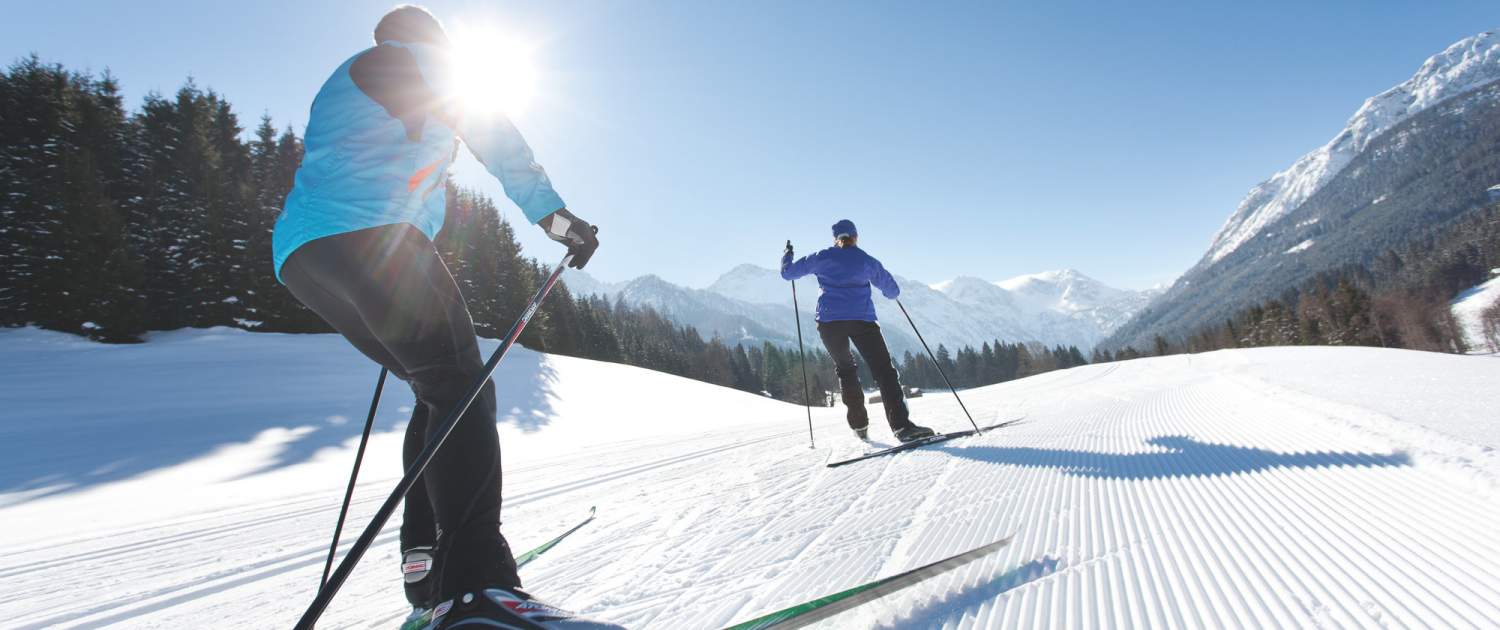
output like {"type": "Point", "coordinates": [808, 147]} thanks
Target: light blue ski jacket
{"type": "Point", "coordinates": [382, 133]}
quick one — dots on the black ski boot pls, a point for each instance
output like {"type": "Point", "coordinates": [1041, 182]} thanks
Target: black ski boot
{"type": "Point", "coordinates": [863, 433]}
{"type": "Point", "coordinates": [421, 583]}
{"type": "Point", "coordinates": [509, 608]}
{"type": "Point", "coordinates": [912, 433]}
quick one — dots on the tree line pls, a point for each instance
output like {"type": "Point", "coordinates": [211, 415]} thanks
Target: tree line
{"type": "Point", "coordinates": [117, 223]}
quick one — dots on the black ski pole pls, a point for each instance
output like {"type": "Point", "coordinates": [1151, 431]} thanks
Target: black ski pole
{"type": "Point", "coordinates": [806, 396]}
{"type": "Point", "coordinates": [357, 551]}
{"type": "Point", "coordinates": [359, 456]}
{"type": "Point", "coordinates": [939, 366]}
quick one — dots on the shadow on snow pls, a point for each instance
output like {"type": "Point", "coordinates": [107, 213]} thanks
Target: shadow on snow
{"type": "Point", "coordinates": [1175, 456]}
{"type": "Point", "coordinates": [59, 446]}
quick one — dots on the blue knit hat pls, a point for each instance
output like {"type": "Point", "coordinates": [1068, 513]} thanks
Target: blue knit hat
{"type": "Point", "coordinates": [844, 227]}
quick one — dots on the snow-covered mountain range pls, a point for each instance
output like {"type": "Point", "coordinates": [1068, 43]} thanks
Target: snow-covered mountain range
{"type": "Point", "coordinates": [751, 304]}
{"type": "Point", "coordinates": [1465, 65]}
{"type": "Point", "coordinates": [1409, 160]}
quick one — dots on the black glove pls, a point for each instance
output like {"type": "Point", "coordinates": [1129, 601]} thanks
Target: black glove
{"type": "Point", "coordinates": [577, 234]}
{"type": "Point", "coordinates": [788, 253]}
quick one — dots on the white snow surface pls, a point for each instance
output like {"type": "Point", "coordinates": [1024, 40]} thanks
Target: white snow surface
{"type": "Point", "coordinates": [192, 481]}
{"type": "Point", "coordinates": [1467, 64]}
{"type": "Point", "coordinates": [1467, 308]}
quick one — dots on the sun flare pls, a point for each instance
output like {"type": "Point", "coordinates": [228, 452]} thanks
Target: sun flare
{"type": "Point", "coordinates": [495, 72]}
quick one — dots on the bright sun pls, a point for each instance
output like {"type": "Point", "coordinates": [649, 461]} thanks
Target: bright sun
{"type": "Point", "coordinates": [495, 72]}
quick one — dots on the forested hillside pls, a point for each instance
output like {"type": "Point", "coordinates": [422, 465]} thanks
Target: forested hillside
{"type": "Point", "coordinates": [1400, 300]}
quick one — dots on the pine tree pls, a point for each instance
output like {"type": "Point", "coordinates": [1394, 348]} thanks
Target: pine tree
{"type": "Point", "coordinates": [33, 105]}
{"type": "Point", "coordinates": [60, 171]}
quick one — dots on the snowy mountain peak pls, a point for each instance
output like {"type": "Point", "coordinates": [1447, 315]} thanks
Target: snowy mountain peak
{"type": "Point", "coordinates": [1468, 64]}
{"type": "Point", "coordinates": [1054, 277]}
{"type": "Point", "coordinates": [1065, 290]}
{"type": "Point", "coordinates": [961, 283]}
{"type": "Point", "coordinates": [753, 284]}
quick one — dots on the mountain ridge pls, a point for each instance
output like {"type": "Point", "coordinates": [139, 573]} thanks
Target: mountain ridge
{"type": "Point", "coordinates": [1465, 65]}
{"type": "Point", "coordinates": [752, 303]}
{"type": "Point", "coordinates": [1414, 172]}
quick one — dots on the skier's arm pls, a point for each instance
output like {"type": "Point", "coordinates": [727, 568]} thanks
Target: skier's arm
{"type": "Point", "coordinates": [504, 153]}
{"type": "Point", "coordinates": [493, 140]}
{"type": "Point", "coordinates": [802, 266]}
{"type": "Point", "coordinates": [883, 280]}
{"type": "Point", "coordinates": [498, 145]}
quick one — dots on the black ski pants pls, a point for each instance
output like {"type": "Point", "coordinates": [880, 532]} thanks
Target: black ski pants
{"type": "Point", "coordinates": [386, 290]}
{"type": "Point", "coordinates": [871, 345]}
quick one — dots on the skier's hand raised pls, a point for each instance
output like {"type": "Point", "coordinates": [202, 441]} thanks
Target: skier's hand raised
{"type": "Point", "coordinates": [788, 253]}
{"type": "Point", "coordinates": [575, 233]}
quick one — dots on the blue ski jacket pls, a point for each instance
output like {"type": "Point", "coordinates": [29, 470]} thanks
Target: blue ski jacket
{"type": "Point", "coordinates": [381, 135]}
{"type": "Point", "coordinates": [844, 278]}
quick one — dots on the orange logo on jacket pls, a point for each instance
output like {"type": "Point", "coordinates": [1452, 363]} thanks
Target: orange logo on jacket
{"type": "Point", "coordinates": [421, 174]}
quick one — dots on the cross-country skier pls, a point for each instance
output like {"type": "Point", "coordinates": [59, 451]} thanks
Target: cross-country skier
{"type": "Point", "coordinates": [846, 313]}
{"type": "Point", "coordinates": [354, 244]}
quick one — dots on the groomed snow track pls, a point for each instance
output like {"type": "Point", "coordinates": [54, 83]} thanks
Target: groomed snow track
{"type": "Point", "coordinates": [1181, 492]}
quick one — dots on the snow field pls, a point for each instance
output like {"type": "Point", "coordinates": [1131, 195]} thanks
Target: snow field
{"type": "Point", "coordinates": [1468, 307]}
{"type": "Point", "coordinates": [1264, 488]}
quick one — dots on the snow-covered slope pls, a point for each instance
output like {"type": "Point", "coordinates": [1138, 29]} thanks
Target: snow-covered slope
{"type": "Point", "coordinates": [1468, 308]}
{"type": "Point", "coordinates": [1465, 65]}
{"type": "Point", "coordinates": [192, 481]}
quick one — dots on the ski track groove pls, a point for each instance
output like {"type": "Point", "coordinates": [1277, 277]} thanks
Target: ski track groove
{"type": "Point", "coordinates": [1247, 580]}
{"type": "Point", "coordinates": [1364, 584]}
{"type": "Point", "coordinates": [150, 601]}
{"type": "Point", "coordinates": [851, 511]}
{"type": "Point", "coordinates": [1411, 495]}
{"type": "Point", "coordinates": [810, 486]}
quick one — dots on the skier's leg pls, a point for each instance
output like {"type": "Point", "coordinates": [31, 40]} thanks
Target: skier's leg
{"type": "Point", "coordinates": [407, 298]}
{"type": "Point", "coordinates": [418, 524]}
{"type": "Point", "coordinates": [872, 348]}
{"type": "Point", "coordinates": [427, 327]}
{"type": "Point", "coordinates": [836, 340]}
{"type": "Point", "coordinates": [338, 312]}
{"type": "Point", "coordinates": [418, 529]}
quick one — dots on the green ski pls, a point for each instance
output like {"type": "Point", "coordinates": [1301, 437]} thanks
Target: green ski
{"type": "Point", "coordinates": [808, 613]}
{"type": "Point", "coordinates": [525, 558]}
{"type": "Point", "coordinates": [421, 618]}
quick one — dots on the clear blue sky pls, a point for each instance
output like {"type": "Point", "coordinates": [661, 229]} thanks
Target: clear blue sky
{"type": "Point", "coordinates": [988, 139]}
